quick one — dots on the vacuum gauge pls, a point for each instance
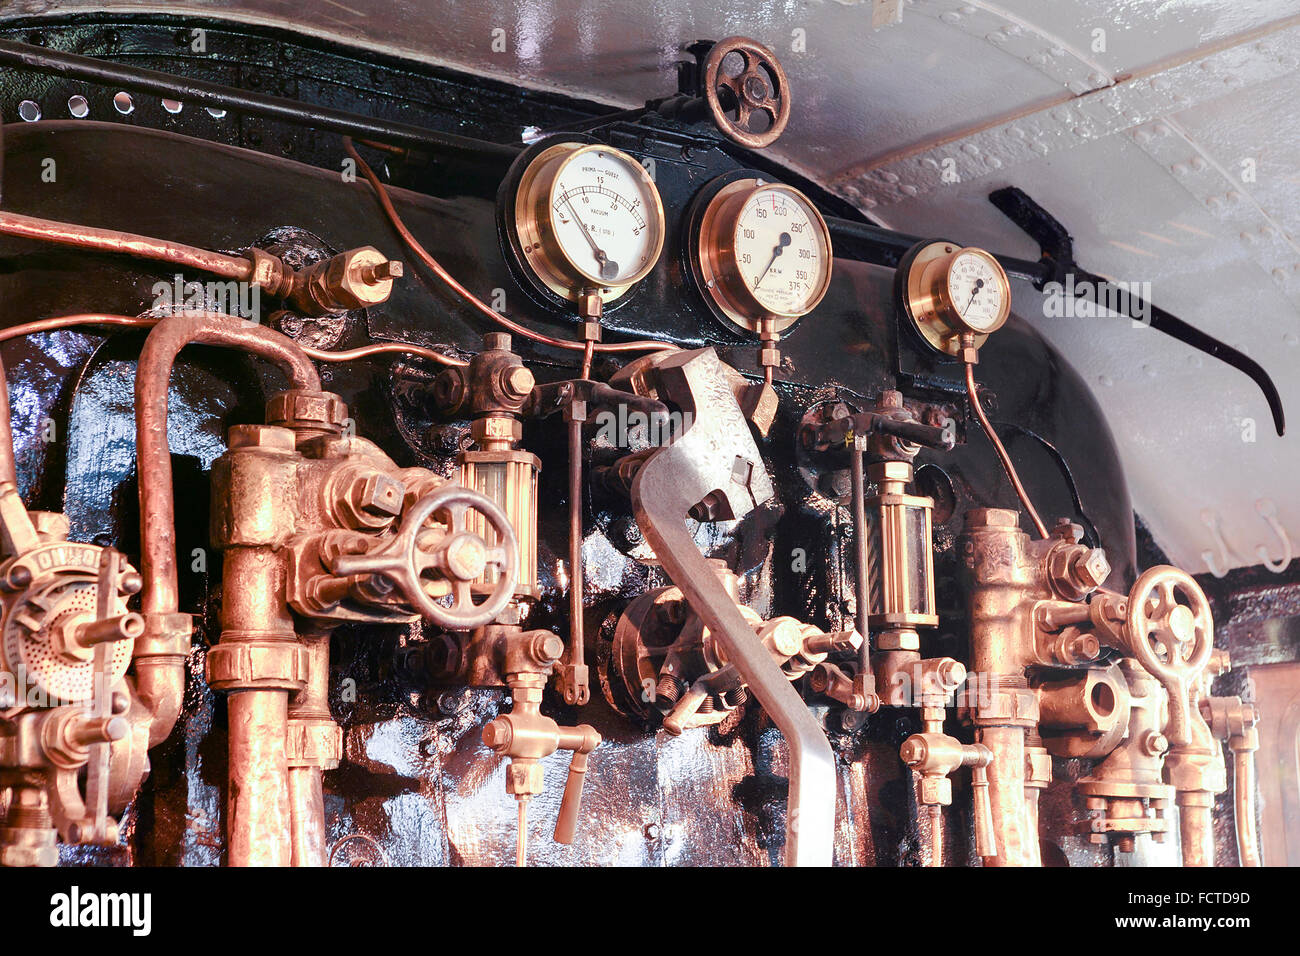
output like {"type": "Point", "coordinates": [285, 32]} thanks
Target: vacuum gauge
{"type": "Point", "coordinates": [587, 217]}
{"type": "Point", "coordinates": [760, 251]}
{"type": "Point", "coordinates": [948, 291]}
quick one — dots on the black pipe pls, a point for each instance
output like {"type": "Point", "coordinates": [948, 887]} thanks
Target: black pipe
{"type": "Point", "coordinates": [884, 247]}
{"type": "Point", "coordinates": [134, 79]}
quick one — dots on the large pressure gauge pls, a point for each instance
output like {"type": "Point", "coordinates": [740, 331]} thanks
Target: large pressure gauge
{"type": "Point", "coordinates": [948, 291]}
{"type": "Point", "coordinates": [760, 251]}
{"type": "Point", "coordinates": [586, 217]}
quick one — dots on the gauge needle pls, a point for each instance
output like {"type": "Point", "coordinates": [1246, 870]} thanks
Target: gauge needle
{"type": "Point", "coordinates": [784, 241]}
{"type": "Point", "coordinates": [979, 284]}
{"type": "Point", "coordinates": [608, 268]}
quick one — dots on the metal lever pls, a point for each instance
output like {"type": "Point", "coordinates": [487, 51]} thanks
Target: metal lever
{"type": "Point", "coordinates": [571, 804]}
{"type": "Point", "coordinates": [716, 464]}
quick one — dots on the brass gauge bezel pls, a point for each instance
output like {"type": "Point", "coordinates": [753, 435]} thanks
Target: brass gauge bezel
{"type": "Point", "coordinates": [543, 256]}
{"type": "Point", "coordinates": [926, 298]}
{"type": "Point", "coordinates": [712, 255]}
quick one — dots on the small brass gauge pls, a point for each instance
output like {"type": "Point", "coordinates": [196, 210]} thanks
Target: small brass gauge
{"type": "Point", "coordinates": [587, 217]}
{"type": "Point", "coordinates": [947, 290]}
{"type": "Point", "coordinates": [761, 251]}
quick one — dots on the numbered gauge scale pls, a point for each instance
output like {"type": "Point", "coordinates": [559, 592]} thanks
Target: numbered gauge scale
{"type": "Point", "coordinates": [947, 291]}
{"type": "Point", "coordinates": [760, 251]}
{"type": "Point", "coordinates": [584, 216]}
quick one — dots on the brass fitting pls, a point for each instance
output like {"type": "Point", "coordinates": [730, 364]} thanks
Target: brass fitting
{"type": "Point", "coordinates": [356, 279]}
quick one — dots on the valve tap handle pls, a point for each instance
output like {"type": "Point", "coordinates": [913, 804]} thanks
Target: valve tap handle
{"type": "Point", "coordinates": [985, 845]}
{"type": "Point", "coordinates": [582, 740]}
{"type": "Point", "coordinates": [566, 826]}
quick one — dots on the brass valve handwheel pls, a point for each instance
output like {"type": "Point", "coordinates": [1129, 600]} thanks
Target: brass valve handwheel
{"type": "Point", "coordinates": [749, 91]}
{"type": "Point", "coordinates": [1170, 639]}
{"type": "Point", "coordinates": [460, 555]}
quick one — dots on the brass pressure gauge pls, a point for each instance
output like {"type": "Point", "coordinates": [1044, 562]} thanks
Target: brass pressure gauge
{"type": "Point", "coordinates": [947, 291]}
{"type": "Point", "coordinates": [760, 250]}
{"type": "Point", "coordinates": [587, 216]}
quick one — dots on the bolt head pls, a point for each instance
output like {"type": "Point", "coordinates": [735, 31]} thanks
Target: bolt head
{"type": "Point", "coordinates": [1094, 569]}
{"type": "Point", "coordinates": [466, 557]}
{"type": "Point", "coordinates": [496, 734]}
{"type": "Point", "coordinates": [518, 381]}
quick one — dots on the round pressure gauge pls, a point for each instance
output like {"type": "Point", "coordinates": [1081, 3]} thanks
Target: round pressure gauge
{"type": "Point", "coordinates": [586, 216]}
{"type": "Point", "coordinates": [948, 291]}
{"type": "Point", "coordinates": [760, 250]}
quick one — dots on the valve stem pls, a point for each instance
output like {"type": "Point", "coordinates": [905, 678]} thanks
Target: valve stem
{"type": "Point", "coordinates": [521, 836]}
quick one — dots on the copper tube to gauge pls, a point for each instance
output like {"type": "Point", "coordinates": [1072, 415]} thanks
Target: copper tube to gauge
{"type": "Point", "coordinates": [509, 478]}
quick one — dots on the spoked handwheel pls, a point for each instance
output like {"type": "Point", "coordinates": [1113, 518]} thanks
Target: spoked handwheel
{"type": "Point", "coordinates": [1170, 637]}
{"type": "Point", "coordinates": [759, 87]}
{"type": "Point", "coordinates": [460, 557]}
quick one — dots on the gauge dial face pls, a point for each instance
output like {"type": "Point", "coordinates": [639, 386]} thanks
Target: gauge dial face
{"type": "Point", "coordinates": [977, 288]}
{"type": "Point", "coordinates": [761, 253]}
{"type": "Point", "coordinates": [602, 210]}
{"type": "Point", "coordinates": [780, 245]}
{"type": "Point", "coordinates": [953, 294]}
{"type": "Point", "coordinates": [587, 217]}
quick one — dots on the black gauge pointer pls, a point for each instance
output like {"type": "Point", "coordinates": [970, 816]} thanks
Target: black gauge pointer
{"type": "Point", "coordinates": [608, 267]}
{"type": "Point", "coordinates": [784, 241]}
{"type": "Point", "coordinates": [979, 284]}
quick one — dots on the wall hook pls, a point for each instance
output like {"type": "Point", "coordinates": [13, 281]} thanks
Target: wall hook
{"type": "Point", "coordinates": [1268, 511]}
{"type": "Point", "coordinates": [1210, 519]}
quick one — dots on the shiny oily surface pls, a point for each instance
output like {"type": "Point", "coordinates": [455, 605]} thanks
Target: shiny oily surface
{"type": "Point", "coordinates": [782, 251]}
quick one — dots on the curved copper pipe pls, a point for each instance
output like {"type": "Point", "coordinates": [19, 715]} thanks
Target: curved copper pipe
{"type": "Point", "coordinates": [381, 193]}
{"type": "Point", "coordinates": [1243, 795]}
{"type": "Point", "coordinates": [8, 467]}
{"type": "Point", "coordinates": [153, 457]}
{"type": "Point", "coordinates": [1007, 466]}
{"type": "Point", "coordinates": [125, 243]}
{"type": "Point", "coordinates": [321, 355]}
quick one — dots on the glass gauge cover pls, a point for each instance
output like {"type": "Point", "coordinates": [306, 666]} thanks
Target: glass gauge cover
{"type": "Point", "coordinates": [587, 217]}
{"type": "Point", "coordinates": [762, 252]}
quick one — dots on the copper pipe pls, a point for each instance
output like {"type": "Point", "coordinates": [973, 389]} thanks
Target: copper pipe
{"type": "Point", "coordinates": [1007, 800]}
{"type": "Point", "coordinates": [383, 348]}
{"type": "Point", "coordinates": [1031, 824]}
{"type": "Point", "coordinates": [1196, 828]}
{"type": "Point", "coordinates": [153, 457]}
{"type": "Point", "coordinates": [1243, 796]}
{"type": "Point", "coordinates": [381, 193]}
{"type": "Point", "coordinates": [306, 791]}
{"type": "Point", "coordinates": [8, 466]}
{"type": "Point", "coordinates": [259, 822]}
{"type": "Point", "coordinates": [125, 243]}
{"type": "Point", "coordinates": [160, 685]}
{"type": "Point", "coordinates": [577, 649]}
{"type": "Point", "coordinates": [1007, 466]}
{"type": "Point", "coordinates": [306, 817]}
{"type": "Point", "coordinates": [143, 322]}
{"type": "Point", "coordinates": [936, 835]}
